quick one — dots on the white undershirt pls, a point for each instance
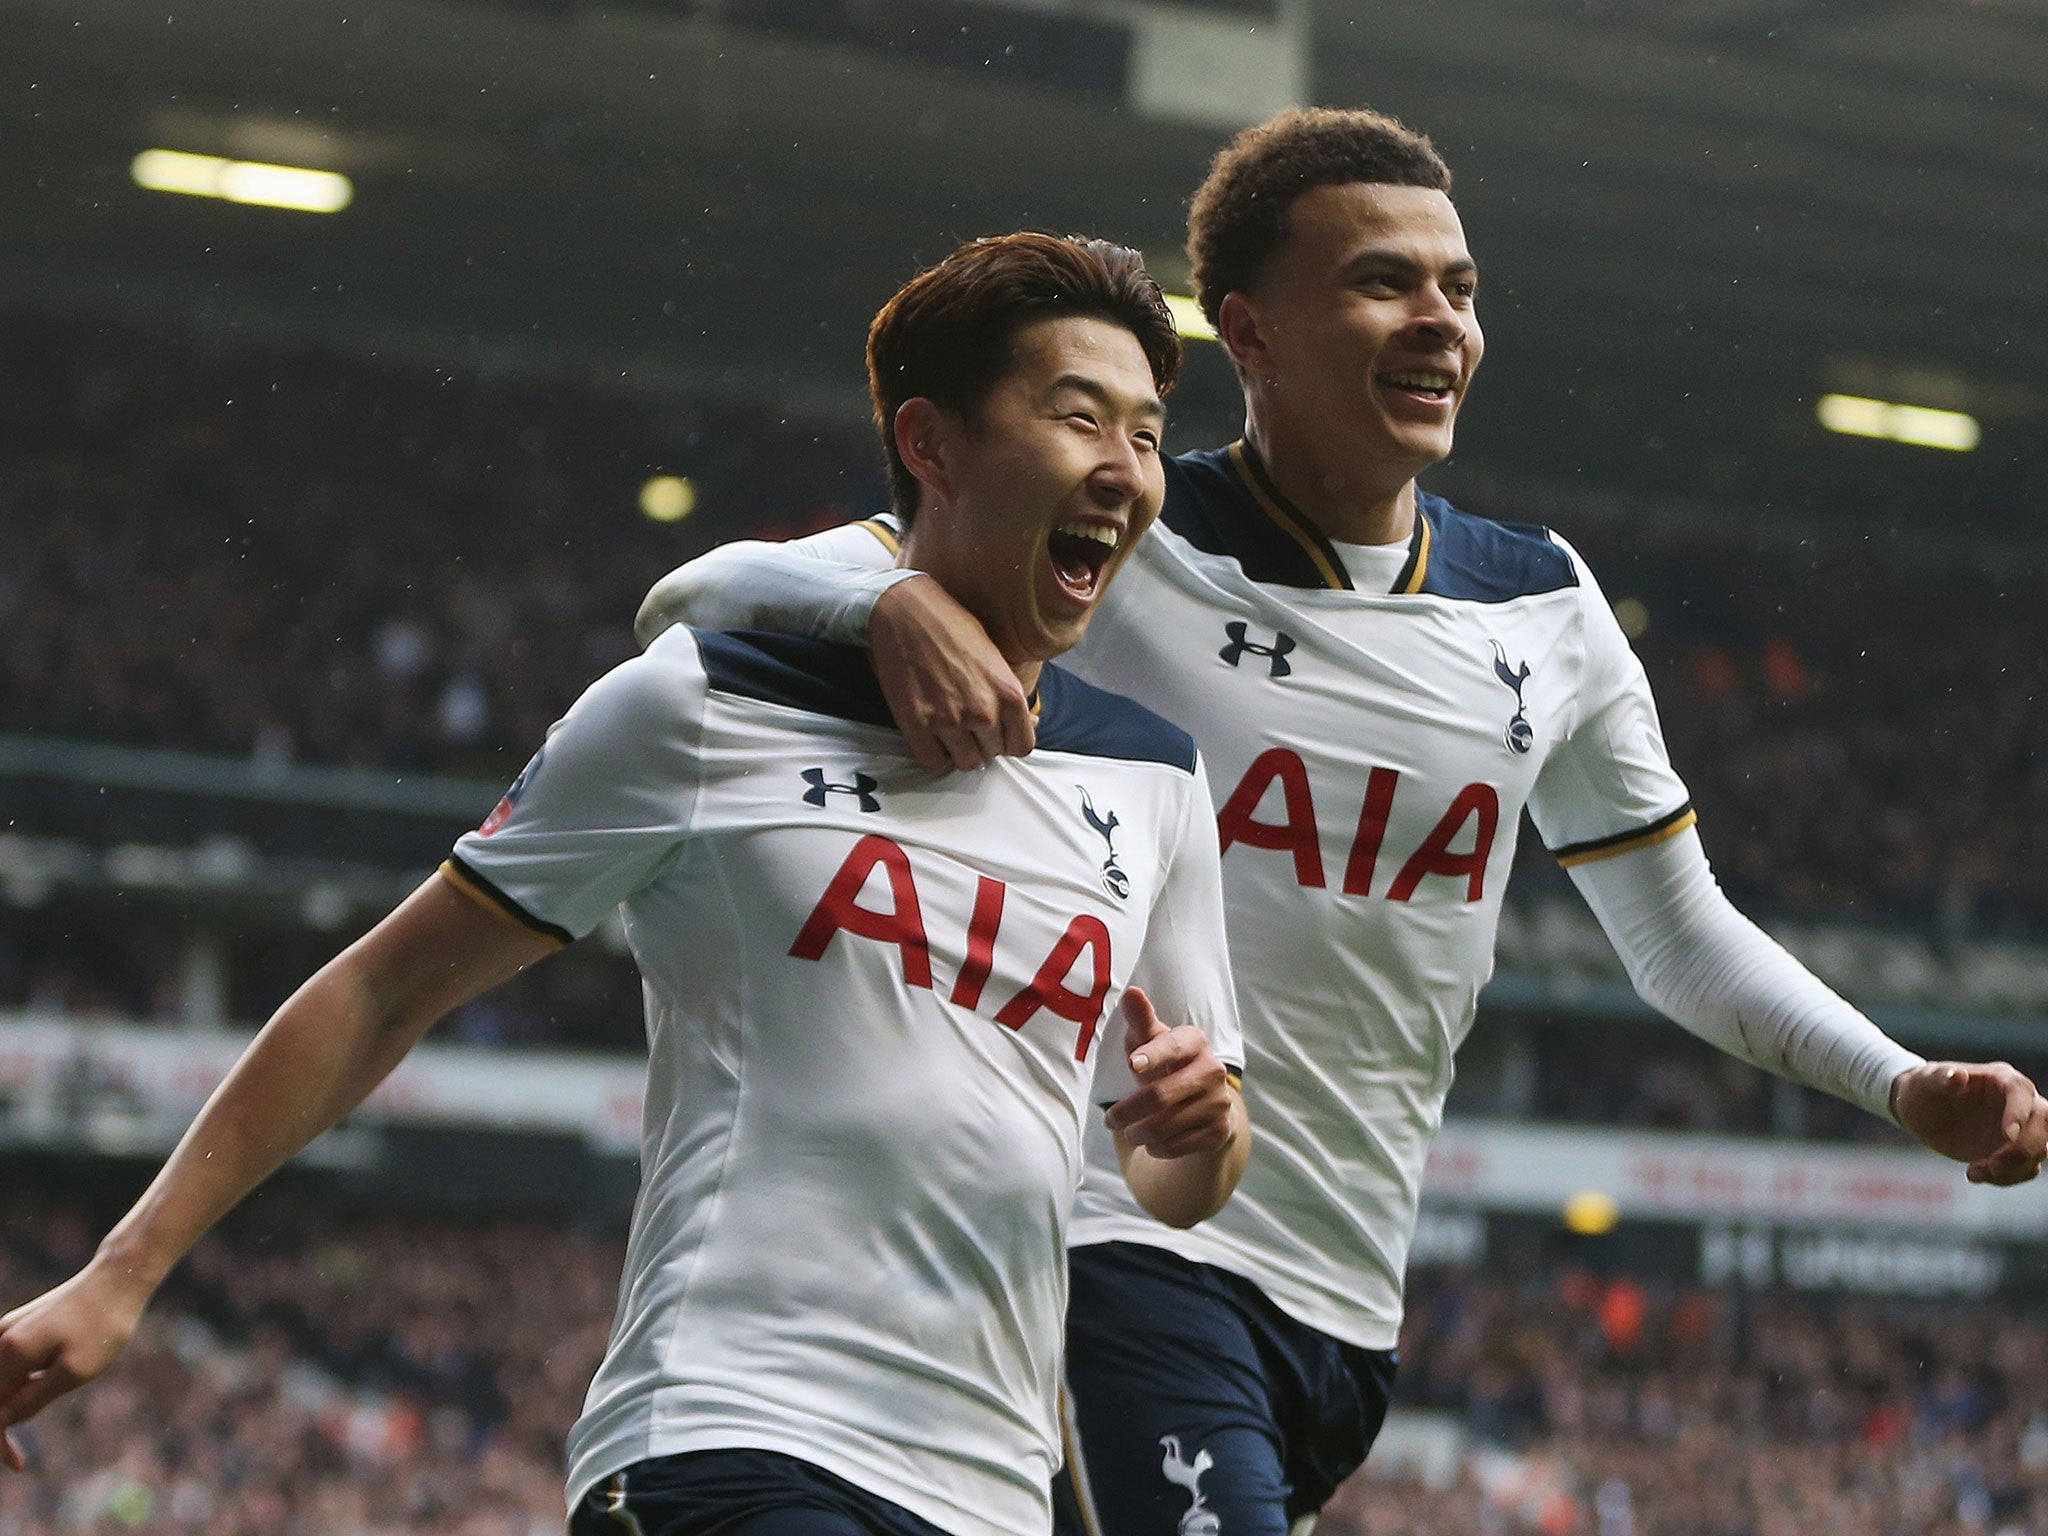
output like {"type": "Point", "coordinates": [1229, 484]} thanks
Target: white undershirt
{"type": "Point", "coordinates": [1373, 567]}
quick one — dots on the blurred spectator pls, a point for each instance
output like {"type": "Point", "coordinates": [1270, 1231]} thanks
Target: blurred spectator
{"type": "Point", "coordinates": [276, 551]}
{"type": "Point", "coordinates": [272, 550]}
{"type": "Point", "coordinates": [410, 1374]}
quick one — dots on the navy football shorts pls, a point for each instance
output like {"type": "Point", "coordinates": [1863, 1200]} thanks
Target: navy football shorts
{"type": "Point", "coordinates": [737, 1493]}
{"type": "Point", "coordinates": [1195, 1406]}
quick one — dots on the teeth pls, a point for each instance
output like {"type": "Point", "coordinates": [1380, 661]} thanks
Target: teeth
{"type": "Point", "coordinates": [1101, 533]}
{"type": "Point", "coordinates": [1420, 380]}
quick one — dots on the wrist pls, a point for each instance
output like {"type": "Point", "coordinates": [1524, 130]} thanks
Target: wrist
{"type": "Point", "coordinates": [130, 1267]}
{"type": "Point", "coordinates": [861, 610]}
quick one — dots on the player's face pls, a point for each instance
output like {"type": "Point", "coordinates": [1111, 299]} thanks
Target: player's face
{"type": "Point", "coordinates": [1367, 331]}
{"type": "Point", "coordinates": [1048, 487]}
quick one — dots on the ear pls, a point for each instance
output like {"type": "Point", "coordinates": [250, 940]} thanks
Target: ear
{"type": "Point", "coordinates": [923, 442]}
{"type": "Point", "coordinates": [1237, 327]}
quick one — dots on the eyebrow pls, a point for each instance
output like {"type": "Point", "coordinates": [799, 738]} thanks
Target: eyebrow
{"type": "Point", "coordinates": [1149, 405]}
{"type": "Point", "coordinates": [1387, 256]}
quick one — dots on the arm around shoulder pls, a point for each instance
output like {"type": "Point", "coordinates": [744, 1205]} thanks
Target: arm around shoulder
{"type": "Point", "coordinates": [824, 586]}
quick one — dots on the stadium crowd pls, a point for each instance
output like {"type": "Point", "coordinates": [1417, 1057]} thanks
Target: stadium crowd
{"type": "Point", "coordinates": [387, 1374]}
{"type": "Point", "coordinates": [227, 546]}
{"type": "Point", "coordinates": [263, 549]}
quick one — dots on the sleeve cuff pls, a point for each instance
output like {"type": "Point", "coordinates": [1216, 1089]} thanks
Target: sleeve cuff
{"type": "Point", "coordinates": [849, 626]}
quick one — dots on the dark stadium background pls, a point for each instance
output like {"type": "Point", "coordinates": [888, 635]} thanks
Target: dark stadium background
{"type": "Point", "coordinates": [312, 523]}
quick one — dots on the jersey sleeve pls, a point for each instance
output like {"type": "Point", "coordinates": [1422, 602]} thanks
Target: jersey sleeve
{"type": "Point", "coordinates": [1697, 960]}
{"type": "Point", "coordinates": [603, 806]}
{"type": "Point", "coordinates": [1609, 786]}
{"type": "Point", "coordinates": [823, 586]}
{"type": "Point", "coordinates": [1184, 966]}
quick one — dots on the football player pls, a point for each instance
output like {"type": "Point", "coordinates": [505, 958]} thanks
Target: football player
{"type": "Point", "coordinates": [875, 994]}
{"type": "Point", "coordinates": [1380, 684]}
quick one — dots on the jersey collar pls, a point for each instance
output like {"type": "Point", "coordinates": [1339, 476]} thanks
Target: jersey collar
{"type": "Point", "coordinates": [1319, 563]}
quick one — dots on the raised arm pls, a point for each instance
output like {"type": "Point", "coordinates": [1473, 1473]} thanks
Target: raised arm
{"type": "Point", "coordinates": [333, 1041]}
{"type": "Point", "coordinates": [953, 697]}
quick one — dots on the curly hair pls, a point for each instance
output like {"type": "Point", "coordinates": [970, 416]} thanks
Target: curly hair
{"type": "Point", "coordinates": [1240, 213]}
{"type": "Point", "coordinates": [946, 334]}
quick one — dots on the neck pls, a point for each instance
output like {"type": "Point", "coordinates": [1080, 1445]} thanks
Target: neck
{"type": "Point", "coordinates": [907, 558]}
{"type": "Point", "coordinates": [1351, 501]}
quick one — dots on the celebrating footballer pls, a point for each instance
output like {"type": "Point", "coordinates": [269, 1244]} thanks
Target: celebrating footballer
{"type": "Point", "coordinates": [877, 996]}
{"type": "Point", "coordinates": [1380, 684]}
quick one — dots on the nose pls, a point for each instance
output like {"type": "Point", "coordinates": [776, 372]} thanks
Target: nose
{"type": "Point", "coordinates": [1436, 320]}
{"type": "Point", "coordinates": [1119, 478]}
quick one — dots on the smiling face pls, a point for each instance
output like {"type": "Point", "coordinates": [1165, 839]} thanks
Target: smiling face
{"type": "Point", "coordinates": [1033, 503]}
{"type": "Point", "coordinates": [1360, 336]}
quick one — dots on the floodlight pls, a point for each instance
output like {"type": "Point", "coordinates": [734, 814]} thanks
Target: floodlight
{"type": "Point", "coordinates": [242, 181]}
{"type": "Point", "coordinates": [1188, 318]}
{"type": "Point", "coordinates": [1919, 425]}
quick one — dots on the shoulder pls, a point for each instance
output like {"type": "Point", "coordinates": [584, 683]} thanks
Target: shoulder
{"type": "Point", "coordinates": [1079, 717]}
{"type": "Point", "coordinates": [815, 676]}
{"type": "Point", "coordinates": [665, 682]}
{"type": "Point", "coordinates": [1479, 560]}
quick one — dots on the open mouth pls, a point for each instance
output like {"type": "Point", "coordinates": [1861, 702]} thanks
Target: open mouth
{"type": "Point", "coordinates": [1080, 551]}
{"type": "Point", "coordinates": [1429, 384]}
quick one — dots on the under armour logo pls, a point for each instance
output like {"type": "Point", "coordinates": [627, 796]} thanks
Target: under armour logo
{"type": "Point", "coordinates": [1200, 1519]}
{"type": "Point", "coordinates": [1520, 735]}
{"type": "Point", "coordinates": [1114, 880]}
{"type": "Point", "coordinates": [862, 785]}
{"type": "Point", "coordinates": [1275, 654]}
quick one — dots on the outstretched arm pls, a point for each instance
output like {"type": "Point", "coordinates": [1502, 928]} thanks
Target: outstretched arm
{"type": "Point", "coordinates": [952, 695]}
{"type": "Point", "coordinates": [1692, 956]}
{"type": "Point", "coordinates": [1182, 1137]}
{"type": "Point", "coordinates": [333, 1041]}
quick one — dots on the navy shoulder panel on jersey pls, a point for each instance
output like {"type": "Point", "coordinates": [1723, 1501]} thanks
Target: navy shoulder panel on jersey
{"type": "Point", "coordinates": [1224, 502]}
{"type": "Point", "coordinates": [1487, 562]}
{"type": "Point", "coordinates": [812, 675]}
{"type": "Point", "coordinates": [839, 680]}
{"type": "Point", "coordinates": [1075, 716]}
{"type": "Point", "coordinates": [1219, 502]}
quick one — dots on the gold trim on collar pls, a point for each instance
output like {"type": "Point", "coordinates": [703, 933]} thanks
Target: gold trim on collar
{"type": "Point", "coordinates": [1421, 571]}
{"type": "Point", "coordinates": [1291, 521]}
{"type": "Point", "coordinates": [883, 532]}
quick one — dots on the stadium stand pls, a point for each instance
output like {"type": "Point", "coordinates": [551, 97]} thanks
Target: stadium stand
{"type": "Point", "coordinates": [292, 561]}
{"type": "Point", "coordinates": [1580, 1402]}
{"type": "Point", "coordinates": [293, 555]}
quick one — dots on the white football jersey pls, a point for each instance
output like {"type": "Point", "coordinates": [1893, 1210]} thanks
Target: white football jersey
{"type": "Point", "coordinates": [1371, 752]}
{"type": "Point", "coordinates": [875, 1000]}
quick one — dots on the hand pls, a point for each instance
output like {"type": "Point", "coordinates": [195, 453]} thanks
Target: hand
{"type": "Point", "coordinates": [954, 698]}
{"type": "Point", "coordinates": [1185, 1102]}
{"type": "Point", "coordinates": [1986, 1114]}
{"type": "Point", "coordinates": [61, 1340]}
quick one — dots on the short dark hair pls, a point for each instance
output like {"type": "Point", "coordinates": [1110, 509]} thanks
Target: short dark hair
{"type": "Point", "coordinates": [1240, 212]}
{"type": "Point", "coordinates": [946, 335]}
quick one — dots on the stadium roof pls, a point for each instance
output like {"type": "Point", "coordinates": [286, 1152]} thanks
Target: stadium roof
{"type": "Point", "coordinates": [1693, 219]}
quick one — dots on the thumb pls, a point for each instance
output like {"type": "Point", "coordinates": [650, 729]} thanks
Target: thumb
{"type": "Point", "coordinates": [1141, 1024]}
